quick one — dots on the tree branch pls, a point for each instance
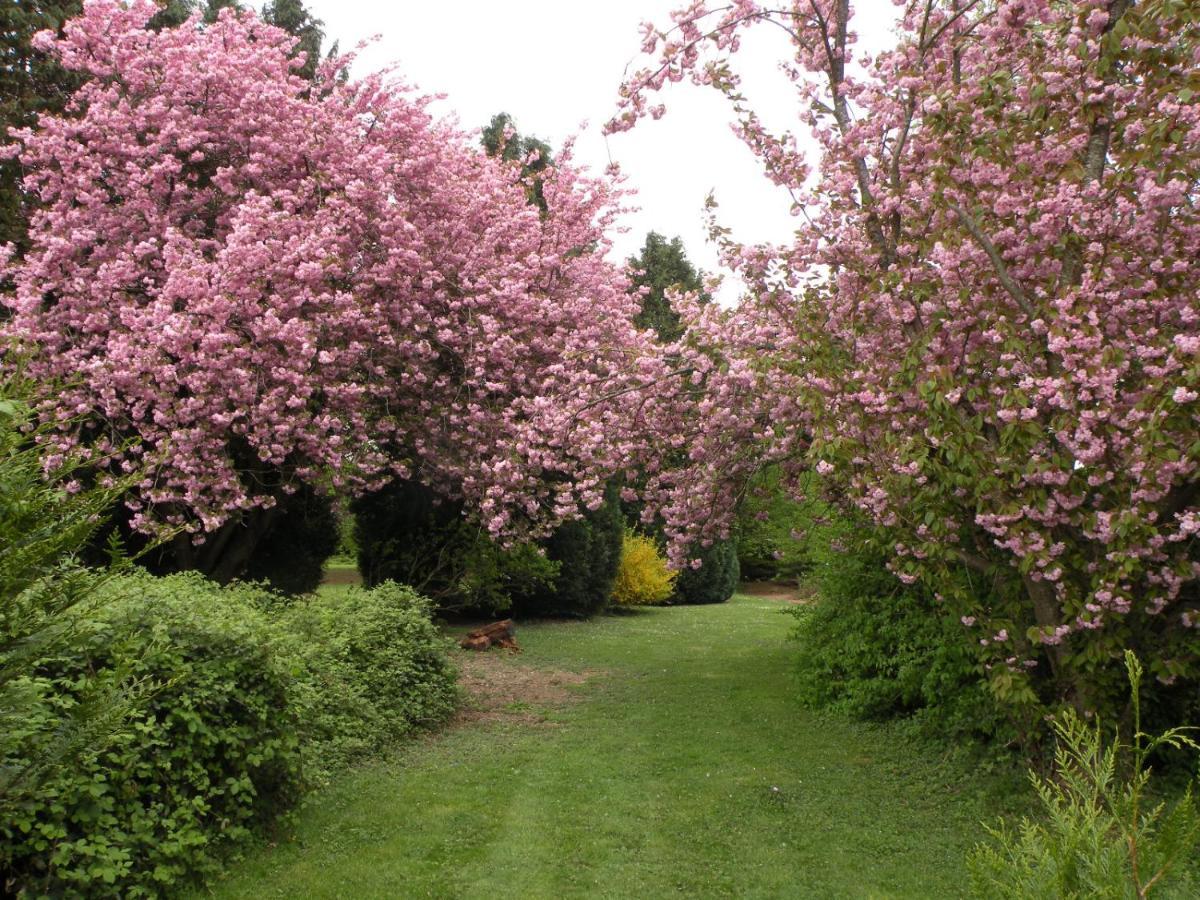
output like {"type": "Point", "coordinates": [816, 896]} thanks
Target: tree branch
{"type": "Point", "coordinates": [998, 264]}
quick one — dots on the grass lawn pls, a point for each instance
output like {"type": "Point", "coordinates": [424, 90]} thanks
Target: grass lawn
{"type": "Point", "coordinates": [681, 766]}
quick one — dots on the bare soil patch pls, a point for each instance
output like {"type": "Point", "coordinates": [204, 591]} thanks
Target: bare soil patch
{"type": "Point", "coordinates": [779, 591]}
{"type": "Point", "coordinates": [498, 687]}
{"type": "Point", "coordinates": [341, 575]}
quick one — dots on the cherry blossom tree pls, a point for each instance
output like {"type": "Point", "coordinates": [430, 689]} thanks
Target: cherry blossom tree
{"type": "Point", "coordinates": [269, 281]}
{"type": "Point", "coordinates": [986, 330]}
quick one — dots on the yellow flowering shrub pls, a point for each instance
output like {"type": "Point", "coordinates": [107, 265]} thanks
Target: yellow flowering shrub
{"type": "Point", "coordinates": [643, 577]}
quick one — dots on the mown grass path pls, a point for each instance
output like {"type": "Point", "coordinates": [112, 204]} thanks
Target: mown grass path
{"type": "Point", "coordinates": [684, 768]}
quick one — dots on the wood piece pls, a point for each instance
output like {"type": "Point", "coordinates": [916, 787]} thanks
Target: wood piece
{"type": "Point", "coordinates": [498, 634]}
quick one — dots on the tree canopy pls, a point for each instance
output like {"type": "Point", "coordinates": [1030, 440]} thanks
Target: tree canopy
{"type": "Point", "coordinates": [266, 284]}
{"type": "Point", "coordinates": [985, 333]}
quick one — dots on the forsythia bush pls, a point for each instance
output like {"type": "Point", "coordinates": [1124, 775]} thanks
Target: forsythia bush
{"type": "Point", "coordinates": [643, 577]}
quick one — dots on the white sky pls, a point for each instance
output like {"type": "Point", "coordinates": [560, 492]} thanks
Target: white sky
{"type": "Point", "coordinates": [557, 64]}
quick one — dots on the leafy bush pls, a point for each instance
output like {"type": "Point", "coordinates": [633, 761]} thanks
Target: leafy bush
{"type": "Point", "coordinates": [587, 552]}
{"type": "Point", "coordinates": [875, 648]}
{"type": "Point", "coordinates": [1099, 837]}
{"type": "Point", "coordinates": [406, 533]}
{"type": "Point", "coordinates": [207, 756]}
{"type": "Point", "coordinates": [369, 668]}
{"type": "Point", "coordinates": [47, 514]}
{"type": "Point", "coordinates": [643, 577]}
{"type": "Point", "coordinates": [247, 698]}
{"type": "Point", "coordinates": [303, 535]}
{"type": "Point", "coordinates": [715, 580]}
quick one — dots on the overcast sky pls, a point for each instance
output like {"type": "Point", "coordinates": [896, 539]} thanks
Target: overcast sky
{"type": "Point", "coordinates": [555, 65]}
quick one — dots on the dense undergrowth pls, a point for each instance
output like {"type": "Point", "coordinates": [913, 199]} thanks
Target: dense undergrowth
{"type": "Point", "coordinates": [244, 700]}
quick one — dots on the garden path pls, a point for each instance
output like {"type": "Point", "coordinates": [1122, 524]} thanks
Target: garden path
{"type": "Point", "coordinates": [669, 759]}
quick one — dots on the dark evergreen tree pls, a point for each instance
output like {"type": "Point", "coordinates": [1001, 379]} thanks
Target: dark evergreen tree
{"type": "Point", "coordinates": [715, 580]}
{"type": "Point", "coordinates": [291, 556]}
{"type": "Point", "coordinates": [30, 83]}
{"type": "Point", "coordinates": [212, 8]}
{"type": "Point", "coordinates": [588, 554]}
{"type": "Point", "coordinates": [292, 17]}
{"type": "Point", "coordinates": [407, 534]}
{"type": "Point", "coordinates": [501, 138]}
{"type": "Point", "coordinates": [173, 13]}
{"type": "Point", "coordinates": [661, 266]}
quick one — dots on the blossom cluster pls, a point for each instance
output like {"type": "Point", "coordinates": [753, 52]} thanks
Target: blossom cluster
{"type": "Point", "coordinates": [263, 279]}
{"type": "Point", "coordinates": [986, 332]}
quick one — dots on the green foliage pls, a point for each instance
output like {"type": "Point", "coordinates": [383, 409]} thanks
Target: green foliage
{"type": "Point", "coordinates": [501, 138]}
{"type": "Point", "coordinates": [303, 535]}
{"type": "Point", "coordinates": [643, 579]}
{"type": "Point", "coordinates": [369, 668]}
{"type": "Point", "coordinates": [292, 17]}
{"type": "Point", "coordinates": [207, 757]}
{"type": "Point", "coordinates": [408, 534]}
{"type": "Point", "coordinates": [30, 83]}
{"type": "Point", "coordinates": [663, 265]}
{"type": "Point", "coordinates": [45, 597]}
{"type": "Point", "coordinates": [1097, 838]}
{"type": "Point", "coordinates": [248, 698]}
{"type": "Point", "coordinates": [347, 548]}
{"type": "Point", "coordinates": [492, 575]}
{"type": "Point", "coordinates": [587, 553]}
{"type": "Point", "coordinates": [715, 580]}
{"type": "Point", "coordinates": [770, 531]}
{"type": "Point", "coordinates": [875, 648]}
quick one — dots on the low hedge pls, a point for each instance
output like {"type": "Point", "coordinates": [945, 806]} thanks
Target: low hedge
{"type": "Point", "coordinates": [208, 753]}
{"type": "Point", "coordinates": [235, 701]}
{"type": "Point", "coordinates": [370, 669]}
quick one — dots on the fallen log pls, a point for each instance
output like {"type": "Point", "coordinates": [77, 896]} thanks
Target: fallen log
{"type": "Point", "coordinates": [498, 634]}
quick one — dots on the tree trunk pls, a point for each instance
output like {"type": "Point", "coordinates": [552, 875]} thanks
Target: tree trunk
{"type": "Point", "coordinates": [224, 556]}
{"type": "Point", "coordinates": [1046, 613]}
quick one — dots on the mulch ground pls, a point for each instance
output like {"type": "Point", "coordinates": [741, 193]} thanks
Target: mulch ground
{"type": "Point", "coordinates": [499, 688]}
{"type": "Point", "coordinates": [781, 592]}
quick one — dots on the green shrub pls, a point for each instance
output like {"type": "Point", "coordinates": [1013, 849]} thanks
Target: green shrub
{"type": "Point", "coordinates": [207, 756]}
{"type": "Point", "coordinates": [407, 534]}
{"type": "Point", "coordinates": [715, 580]}
{"type": "Point", "coordinates": [587, 553]}
{"type": "Point", "coordinates": [303, 535]}
{"type": "Point", "coordinates": [874, 648]}
{"type": "Point", "coordinates": [247, 698]}
{"type": "Point", "coordinates": [369, 669]}
{"type": "Point", "coordinates": [1099, 836]}
{"type": "Point", "coordinates": [643, 577]}
{"type": "Point", "coordinates": [47, 515]}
